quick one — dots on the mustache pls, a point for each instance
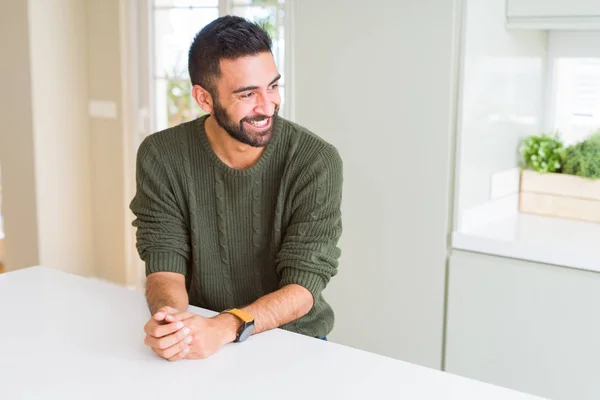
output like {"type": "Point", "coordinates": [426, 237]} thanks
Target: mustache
{"type": "Point", "coordinates": [255, 118]}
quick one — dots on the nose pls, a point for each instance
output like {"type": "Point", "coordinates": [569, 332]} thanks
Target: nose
{"type": "Point", "coordinates": [264, 104]}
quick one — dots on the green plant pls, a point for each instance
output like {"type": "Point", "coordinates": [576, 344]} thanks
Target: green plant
{"type": "Point", "coordinates": [543, 153]}
{"type": "Point", "coordinates": [583, 159]}
{"type": "Point", "coordinates": [267, 25]}
{"type": "Point", "coordinates": [181, 106]}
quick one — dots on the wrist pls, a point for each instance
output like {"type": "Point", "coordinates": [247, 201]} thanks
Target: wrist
{"type": "Point", "coordinates": [229, 326]}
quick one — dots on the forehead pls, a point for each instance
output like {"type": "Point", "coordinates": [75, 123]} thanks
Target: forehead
{"type": "Point", "coordinates": [256, 70]}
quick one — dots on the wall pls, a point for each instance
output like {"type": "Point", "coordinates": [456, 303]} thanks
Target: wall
{"type": "Point", "coordinates": [74, 212]}
{"type": "Point", "coordinates": [16, 140]}
{"type": "Point", "coordinates": [107, 140]}
{"type": "Point", "coordinates": [61, 134]}
{"type": "Point", "coordinates": [501, 98]}
{"type": "Point", "coordinates": [523, 325]}
{"type": "Point", "coordinates": [377, 81]}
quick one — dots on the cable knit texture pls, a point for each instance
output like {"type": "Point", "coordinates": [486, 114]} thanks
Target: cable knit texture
{"type": "Point", "coordinates": [235, 234]}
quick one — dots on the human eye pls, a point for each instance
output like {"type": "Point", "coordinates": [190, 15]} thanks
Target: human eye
{"type": "Point", "coordinates": [248, 95]}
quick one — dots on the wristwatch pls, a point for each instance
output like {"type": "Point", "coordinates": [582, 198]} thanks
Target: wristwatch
{"type": "Point", "coordinates": [247, 327]}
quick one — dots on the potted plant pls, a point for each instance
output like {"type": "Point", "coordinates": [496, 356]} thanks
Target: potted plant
{"type": "Point", "coordinates": [561, 182]}
{"type": "Point", "coordinates": [583, 159]}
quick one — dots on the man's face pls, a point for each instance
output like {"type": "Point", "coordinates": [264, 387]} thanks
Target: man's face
{"type": "Point", "coordinates": [247, 98]}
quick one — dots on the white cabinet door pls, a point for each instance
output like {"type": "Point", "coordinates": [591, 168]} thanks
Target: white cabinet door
{"type": "Point", "coordinates": [526, 326]}
{"type": "Point", "coordinates": [553, 8]}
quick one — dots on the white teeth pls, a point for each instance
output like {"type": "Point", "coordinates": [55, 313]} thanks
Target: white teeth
{"type": "Point", "coordinates": [259, 123]}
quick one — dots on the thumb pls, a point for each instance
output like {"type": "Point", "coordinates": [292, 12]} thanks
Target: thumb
{"type": "Point", "coordinates": [164, 312]}
{"type": "Point", "coordinates": [159, 316]}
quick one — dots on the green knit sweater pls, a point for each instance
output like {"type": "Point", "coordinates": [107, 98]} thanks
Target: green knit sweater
{"type": "Point", "coordinates": [235, 234]}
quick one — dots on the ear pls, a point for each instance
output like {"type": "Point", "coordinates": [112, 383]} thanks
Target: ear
{"type": "Point", "coordinates": [203, 98]}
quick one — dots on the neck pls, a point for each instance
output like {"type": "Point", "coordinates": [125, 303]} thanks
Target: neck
{"type": "Point", "coordinates": [233, 153]}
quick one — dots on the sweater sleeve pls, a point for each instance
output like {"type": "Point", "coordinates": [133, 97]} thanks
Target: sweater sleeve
{"type": "Point", "coordinates": [309, 253]}
{"type": "Point", "coordinates": [163, 241]}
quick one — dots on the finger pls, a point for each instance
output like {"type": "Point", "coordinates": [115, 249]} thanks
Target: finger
{"type": "Point", "coordinates": [164, 312]}
{"type": "Point", "coordinates": [181, 355]}
{"type": "Point", "coordinates": [159, 316]}
{"type": "Point", "coordinates": [150, 326]}
{"type": "Point", "coordinates": [167, 341]}
{"type": "Point", "coordinates": [179, 351]}
{"type": "Point", "coordinates": [183, 315]}
{"type": "Point", "coordinates": [169, 318]}
{"type": "Point", "coordinates": [159, 331]}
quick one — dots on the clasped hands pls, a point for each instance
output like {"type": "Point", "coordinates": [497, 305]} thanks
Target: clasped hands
{"type": "Point", "coordinates": [176, 335]}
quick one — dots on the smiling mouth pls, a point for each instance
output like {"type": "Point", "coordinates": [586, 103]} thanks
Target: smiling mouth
{"type": "Point", "coordinates": [262, 123]}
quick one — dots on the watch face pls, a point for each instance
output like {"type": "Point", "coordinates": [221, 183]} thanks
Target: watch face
{"type": "Point", "coordinates": [246, 333]}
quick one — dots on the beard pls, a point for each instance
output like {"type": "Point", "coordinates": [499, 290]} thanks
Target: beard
{"type": "Point", "coordinates": [238, 131]}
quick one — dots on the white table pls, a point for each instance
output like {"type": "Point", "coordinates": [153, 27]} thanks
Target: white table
{"type": "Point", "coordinates": [68, 337]}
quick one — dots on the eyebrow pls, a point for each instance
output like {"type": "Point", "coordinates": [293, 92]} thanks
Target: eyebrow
{"type": "Point", "coordinates": [247, 88]}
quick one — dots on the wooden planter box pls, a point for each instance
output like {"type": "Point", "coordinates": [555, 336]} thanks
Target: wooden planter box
{"type": "Point", "coordinates": [560, 195]}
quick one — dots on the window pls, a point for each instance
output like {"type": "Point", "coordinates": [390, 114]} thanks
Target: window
{"type": "Point", "coordinates": [574, 82]}
{"type": "Point", "coordinates": [173, 24]}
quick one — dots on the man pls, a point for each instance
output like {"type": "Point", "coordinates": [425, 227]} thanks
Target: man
{"type": "Point", "coordinates": [237, 211]}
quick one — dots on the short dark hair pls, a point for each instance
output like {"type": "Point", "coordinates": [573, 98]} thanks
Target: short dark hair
{"type": "Point", "coordinates": [227, 37]}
